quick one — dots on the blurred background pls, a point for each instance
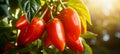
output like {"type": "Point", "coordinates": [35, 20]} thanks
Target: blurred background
{"type": "Point", "coordinates": [105, 15]}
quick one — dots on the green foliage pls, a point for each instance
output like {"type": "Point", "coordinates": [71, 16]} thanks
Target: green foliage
{"type": "Point", "coordinates": [88, 35]}
{"type": "Point", "coordinates": [88, 49]}
{"type": "Point", "coordinates": [30, 7]}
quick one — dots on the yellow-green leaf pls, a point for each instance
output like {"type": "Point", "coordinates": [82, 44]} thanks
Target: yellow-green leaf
{"type": "Point", "coordinates": [87, 47]}
{"type": "Point", "coordinates": [81, 8]}
{"type": "Point", "coordinates": [88, 35]}
{"type": "Point", "coordinates": [83, 25]}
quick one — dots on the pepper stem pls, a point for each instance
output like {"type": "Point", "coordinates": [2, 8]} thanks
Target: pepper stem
{"type": "Point", "coordinates": [51, 15]}
{"type": "Point", "coordinates": [62, 4]}
{"type": "Point", "coordinates": [42, 15]}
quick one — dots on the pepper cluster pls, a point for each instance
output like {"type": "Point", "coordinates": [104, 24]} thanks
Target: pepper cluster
{"type": "Point", "coordinates": [62, 30]}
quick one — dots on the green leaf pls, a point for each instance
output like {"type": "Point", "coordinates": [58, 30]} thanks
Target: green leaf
{"type": "Point", "coordinates": [81, 8]}
{"type": "Point", "coordinates": [88, 35]}
{"type": "Point", "coordinates": [88, 49]}
{"type": "Point", "coordinates": [3, 23]}
{"type": "Point", "coordinates": [29, 7]}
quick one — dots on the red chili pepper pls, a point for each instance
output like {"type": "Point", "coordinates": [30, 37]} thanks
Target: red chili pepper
{"type": "Point", "coordinates": [74, 45]}
{"type": "Point", "coordinates": [72, 26]}
{"type": "Point", "coordinates": [22, 22]}
{"type": "Point", "coordinates": [20, 36]}
{"type": "Point", "coordinates": [71, 22]}
{"type": "Point", "coordinates": [32, 32]}
{"type": "Point", "coordinates": [56, 34]}
{"type": "Point", "coordinates": [46, 41]}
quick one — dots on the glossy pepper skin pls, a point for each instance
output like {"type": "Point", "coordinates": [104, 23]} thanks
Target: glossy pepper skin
{"type": "Point", "coordinates": [71, 22]}
{"type": "Point", "coordinates": [46, 40]}
{"type": "Point", "coordinates": [56, 34]}
{"type": "Point", "coordinates": [22, 22]}
{"type": "Point", "coordinates": [20, 36]}
{"type": "Point", "coordinates": [72, 26]}
{"type": "Point", "coordinates": [32, 32]}
{"type": "Point", "coordinates": [74, 45]}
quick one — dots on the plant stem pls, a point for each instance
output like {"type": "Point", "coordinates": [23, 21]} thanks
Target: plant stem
{"type": "Point", "coordinates": [42, 15]}
{"type": "Point", "coordinates": [62, 4]}
{"type": "Point", "coordinates": [51, 15]}
{"type": "Point", "coordinates": [37, 12]}
{"type": "Point", "coordinates": [57, 8]}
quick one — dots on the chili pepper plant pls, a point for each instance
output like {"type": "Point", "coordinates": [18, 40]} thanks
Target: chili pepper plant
{"type": "Point", "coordinates": [45, 27]}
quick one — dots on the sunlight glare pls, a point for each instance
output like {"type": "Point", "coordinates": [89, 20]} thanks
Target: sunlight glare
{"type": "Point", "coordinates": [104, 6]}
{"type": "Point", "coordinates": [107, 6]}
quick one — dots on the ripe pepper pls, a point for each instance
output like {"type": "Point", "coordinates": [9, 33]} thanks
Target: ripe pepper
{"type": "Point", "coordinates": [56, 34]}
{"type": "Point", "coordinates": [20, 36]}
{"type": "Point", "coordinates": [31, 32]}
{"type": "Point", "coordinates": [74, 45]}
{"type": "Point", "coordinates": [71, 22]}
{"type": "Point", "coordinates": [72, 26]}
{"type": "Point", "coordinates": [22, 22]}
{"type": "Point", "coordinates": [46, 41]}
